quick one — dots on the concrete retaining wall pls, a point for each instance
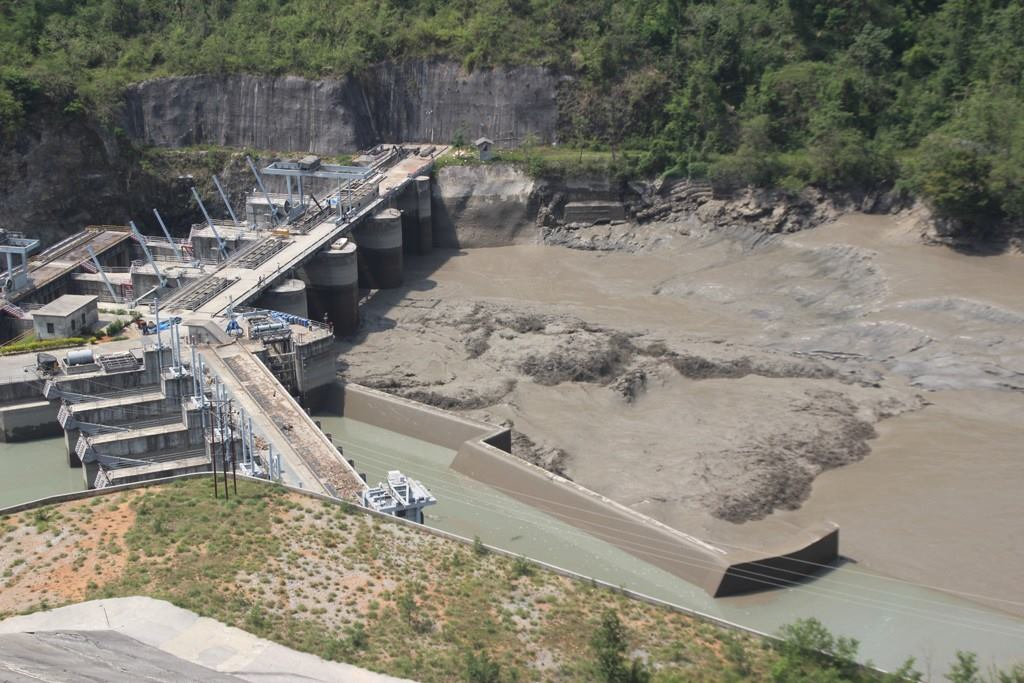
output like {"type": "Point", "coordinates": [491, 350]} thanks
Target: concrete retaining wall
{"type": "Point", "coordinates": [492, 206]}
{"type": "Point", "coordinates": [31, 420]}
{"type": "Point", "coordinates": [421, 101]}
{"type": "Point", "coordinates": [483, 452]}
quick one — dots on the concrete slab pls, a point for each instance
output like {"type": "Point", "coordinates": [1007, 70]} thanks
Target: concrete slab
{"type": "Point", "coordinates": [230, 652]}
{"type": "Point", "coordinates": [101, 656]}
{"type": "Point", "coordinates": [159, 430]}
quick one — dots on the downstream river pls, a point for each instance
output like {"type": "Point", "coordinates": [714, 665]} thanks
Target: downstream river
{"type": "Point", "coordinates": [892, 619]}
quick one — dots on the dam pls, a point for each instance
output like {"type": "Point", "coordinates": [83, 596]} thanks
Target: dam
{"type": "Point", "coordinates": [243, 317]}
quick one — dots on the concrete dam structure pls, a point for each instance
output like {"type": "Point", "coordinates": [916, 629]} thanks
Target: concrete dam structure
{"type": "Point", "coordinates": [245, 313]}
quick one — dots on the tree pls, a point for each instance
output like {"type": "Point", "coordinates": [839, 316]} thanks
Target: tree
{"type": "Point", "coordinates": [609, 644]}
{"type": "Point", "coordinates": [965, 669]}
{"type": "Point", "coordinates": [480, 668]}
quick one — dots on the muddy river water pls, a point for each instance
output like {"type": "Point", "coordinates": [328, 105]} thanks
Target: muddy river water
{"type": "Point", "coordinates": [934, 500]}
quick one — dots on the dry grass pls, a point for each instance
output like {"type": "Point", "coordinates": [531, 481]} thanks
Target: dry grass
{"type": "Point", "coordinates": [328, 579]}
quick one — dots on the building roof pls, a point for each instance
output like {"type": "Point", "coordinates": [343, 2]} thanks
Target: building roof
{"type": "Point", "coordinates": [483, 141]}
{"type": "Point", "coordinates": [66, 305]}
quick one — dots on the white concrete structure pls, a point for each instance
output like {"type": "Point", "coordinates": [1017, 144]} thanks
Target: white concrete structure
{"type": "Point", "coordinates": [193, 639]}
{"type": "Point", "coordinates": [71, 315]}
{"type": "Point", "coordinates": [399, 496]}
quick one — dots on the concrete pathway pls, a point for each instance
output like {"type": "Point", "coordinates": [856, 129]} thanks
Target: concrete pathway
{"type": "Point", "coordinates": [177, 632]}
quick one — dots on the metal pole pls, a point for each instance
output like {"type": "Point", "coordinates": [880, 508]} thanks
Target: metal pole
{"type": "Point", "coordinates": [266, 195]}
{"type": "Point", "coordinates": [195, 375]}
{"type": "Point", "coordinates": [176, 345]}
{"type": "Point", "coordinates": [159, 342]}
{"type": "Point", "coordinates": [224, 196]}
{"type": "Point", "coordinates": [167, 233]}
{"type": "Point", "coordinates": [252, 444]}
{"type": "Point", "coordinates": [209, 221]}
{"type": "Point", "coordinates": [224, 451]}
{"type": "Point", "coordinates": [99, 268]}
{"type": "Point", "coordinates": [231, 448]}
{"type": "Point", "coordinates": [213, 452]}
{"type": "Point", "coordinates": [149, 257]}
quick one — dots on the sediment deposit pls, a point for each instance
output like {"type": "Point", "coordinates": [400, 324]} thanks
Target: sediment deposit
{"type": "Point", "coordinates": [708, 378]}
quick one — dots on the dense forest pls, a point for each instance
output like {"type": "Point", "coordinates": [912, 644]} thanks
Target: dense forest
{"type": "Point", "coordinates": [922, 95]}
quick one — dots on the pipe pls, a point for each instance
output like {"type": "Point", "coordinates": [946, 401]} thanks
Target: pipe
{"type": "Point", "coordinates": [266, 195]}
{"type": "Point", "coordinates": [224, 196]}
{"type": "Point", "coordinates": [209, 221]}
{"type": "Point", "coordinates": [167, 233]}
{"type": "Point", "coordinates": [99, 268]}
{"type": "Point", "coordinates": [149, 257]}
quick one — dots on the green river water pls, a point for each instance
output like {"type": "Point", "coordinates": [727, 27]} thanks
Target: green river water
{"type": "Point", "coordinates": [36, 469]}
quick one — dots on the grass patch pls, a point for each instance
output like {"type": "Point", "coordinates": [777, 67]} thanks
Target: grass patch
{"type": "Point", "coordinates": [42, 345]}
{"type": "Point", "coordinates": [328, 579]}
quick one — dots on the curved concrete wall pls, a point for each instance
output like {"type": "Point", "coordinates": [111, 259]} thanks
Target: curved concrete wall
{"type": "Point", "coordinates": [380, 250]}
{"type": "Point", "coordinates": [483, 453]}
{"type": "Point", "coordinates": [334, 287]}
{"type": "Point", "coordinates": [288, 296]}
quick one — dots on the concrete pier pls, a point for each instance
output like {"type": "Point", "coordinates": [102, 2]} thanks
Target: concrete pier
{"type": "Point", "coordinates": [426, 221]}
{"type": "Point", "coordinates": [288, 297]}
{"type": "Point", "coordinates": [334, 287]}
{"type": "Point", "coordinates": [380, 250]}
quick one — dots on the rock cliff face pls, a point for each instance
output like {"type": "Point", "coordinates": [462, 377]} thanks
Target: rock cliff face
{"type": "Point", "coordinates": [419, 101]}
{"type": "Point", "coordinates": [484, 206]}
{"type": "Point", "coordinates": [60, 173]}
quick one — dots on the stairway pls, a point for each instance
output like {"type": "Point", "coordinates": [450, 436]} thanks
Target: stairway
{"type": "Point", "coordinates": [13, 310]}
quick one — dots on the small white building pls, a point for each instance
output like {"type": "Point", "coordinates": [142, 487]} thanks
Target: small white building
{"type": "Point", "coordinates": [485, 147]}
{"type": "Point", "coordinates": [72, 315]}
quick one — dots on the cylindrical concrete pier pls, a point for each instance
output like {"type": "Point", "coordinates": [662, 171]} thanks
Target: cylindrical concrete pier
{"type": "Point", "coordinates": [380, 250]}
{"type": "Point", "coordinates": [288, 296]}
{"type": "Point", "coordinates": [334, 287]}
{"type": "Point", "coordinates": [426, 222]}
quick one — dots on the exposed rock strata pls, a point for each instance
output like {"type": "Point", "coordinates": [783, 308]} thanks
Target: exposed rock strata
{"type": "Point", "coordinates": [416, 101]}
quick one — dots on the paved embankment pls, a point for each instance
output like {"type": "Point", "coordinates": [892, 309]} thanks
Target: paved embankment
{"type": "Point", "coordinates": [170, 644]}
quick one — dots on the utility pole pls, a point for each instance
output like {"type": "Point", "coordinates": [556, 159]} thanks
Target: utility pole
{"type": "Point", "coordinates": [231, 450]}
{"type": "Point", "coordinates": [213, 447]}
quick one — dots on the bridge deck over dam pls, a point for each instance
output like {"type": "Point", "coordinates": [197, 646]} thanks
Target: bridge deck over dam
{"type": "Point", "coordinates": [58, 260]}
{"type": "Point", "coordinates": [240, 280]}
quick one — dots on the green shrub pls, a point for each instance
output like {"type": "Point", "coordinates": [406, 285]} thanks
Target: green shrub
{"type": "Point", "coordinates": [42, 345]}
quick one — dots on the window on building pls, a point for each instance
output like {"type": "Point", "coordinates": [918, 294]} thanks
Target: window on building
{"type": "Point", "coordinates": [72, 325]}
{"type": "Point", "coordinates": [49, 328]}
{"type": "Point", "coordinates": [83, 320]}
